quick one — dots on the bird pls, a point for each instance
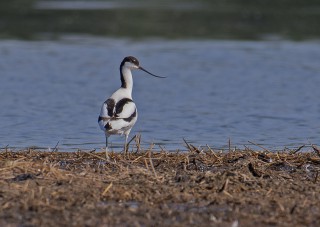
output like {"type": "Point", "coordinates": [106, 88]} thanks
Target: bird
{"type": "Point", "coordinates": [119, 112]}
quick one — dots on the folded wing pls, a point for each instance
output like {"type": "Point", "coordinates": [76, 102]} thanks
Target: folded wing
{"type": "Point", "coordinates": [117, 117]}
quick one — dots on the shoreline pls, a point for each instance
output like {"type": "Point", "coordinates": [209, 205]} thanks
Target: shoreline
{"type": "Point", "coordinates": [148, 188]}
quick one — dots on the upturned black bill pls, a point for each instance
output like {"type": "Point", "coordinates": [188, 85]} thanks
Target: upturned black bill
{"type": "Point", "coordinates": [151, 73]}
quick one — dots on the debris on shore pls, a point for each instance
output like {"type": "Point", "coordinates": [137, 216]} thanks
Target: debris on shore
{"type": "Point", "coordinates": [153, 188]}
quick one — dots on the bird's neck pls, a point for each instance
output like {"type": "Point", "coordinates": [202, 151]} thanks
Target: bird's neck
{"type": "Point", "coordinates": [126, 79]}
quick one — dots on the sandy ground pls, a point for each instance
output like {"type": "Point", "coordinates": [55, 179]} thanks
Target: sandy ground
{"type": "Point", "coordinates": [158, 188]}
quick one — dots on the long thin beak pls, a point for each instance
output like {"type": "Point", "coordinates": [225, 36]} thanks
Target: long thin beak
{"type": "Point", "coordinates": [151, 73]}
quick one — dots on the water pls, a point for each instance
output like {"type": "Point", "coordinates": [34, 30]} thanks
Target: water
{"type": "Point", "coordinates": [263, 91]}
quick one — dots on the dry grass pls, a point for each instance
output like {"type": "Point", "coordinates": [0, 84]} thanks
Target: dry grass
{"type": "Point", "coordinates": [201, 186]}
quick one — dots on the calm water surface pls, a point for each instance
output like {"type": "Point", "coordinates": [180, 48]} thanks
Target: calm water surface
{"type": "Point", "coordinates": [265, 91]}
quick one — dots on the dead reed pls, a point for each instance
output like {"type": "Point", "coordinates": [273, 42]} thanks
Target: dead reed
{"type": "Point", "coordinates": [148, 187]}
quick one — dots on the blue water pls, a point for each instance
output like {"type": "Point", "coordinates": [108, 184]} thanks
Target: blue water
{"type": "Point", "coordinates": [265, 91]}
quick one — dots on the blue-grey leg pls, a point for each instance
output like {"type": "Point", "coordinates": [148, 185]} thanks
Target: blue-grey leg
{"type": "Point", "coordinates": [126, 144]}
{"type": "Point", "coordinates": [107, 156]}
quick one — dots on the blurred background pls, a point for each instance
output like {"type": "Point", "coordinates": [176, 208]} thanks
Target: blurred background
{"type": "Point", "coordinates": [201, 19]}
{"type": "Point", "coordinates": [237, 70]}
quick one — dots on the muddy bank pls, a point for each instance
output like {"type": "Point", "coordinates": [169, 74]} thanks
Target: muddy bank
{"type": "Point", "coordinates": [242, 188]}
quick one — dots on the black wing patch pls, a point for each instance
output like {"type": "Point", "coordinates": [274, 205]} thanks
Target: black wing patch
{"type": "Point", "coordinates": [120, 105]}
{"type": "Point", "coordinates": [108, 126]}
{"type": "Point", "coordinates": [128, 119]}
{"type": "Point", "coordinates": [110, 106]}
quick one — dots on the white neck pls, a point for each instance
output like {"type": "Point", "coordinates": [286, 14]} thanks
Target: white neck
{"type": "Point", "coordinates": [126, 80]}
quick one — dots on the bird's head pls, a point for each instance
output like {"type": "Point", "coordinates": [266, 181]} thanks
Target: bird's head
{"type": "Point", "coordinates": [133, 63]}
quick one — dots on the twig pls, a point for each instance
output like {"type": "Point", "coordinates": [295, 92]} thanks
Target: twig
{"type": "Point", "coordinates": [127, 147]}
{"type": "Point", "coordinates": [107, 189]}
{"type": "Point", "coordinates": [136, 159]}
{"type": "Point", "coordinates": [316, 149]}
{"type": "Point", "coordinates": [298, 149]}
{"type": "Point", "coordinates": [293, 208]}
{"type": "Point", "coordinates": [224, 186]}
{"type": "Point", "coordinates": [146, 164]}
{"type": "Point", "coordinates": [151, 164]}
{"type": "Point", "coordinates": [191, 147]}
{"type": "Point", "coordinates": [7, 149]}
{"type": "Point", "coordinates": [196, 149]}
{"type": "Point", "coordinates": [316, 177]}
{"type": "Point", "coordinates": [104, 159]}
{"type": "Point", "coordinates": [227, 193]}
{"type": "Point", "coordinates": [253, 171]}
{"type": "Point", "coordinates": [132, 139]}
{"type": "Point", "coordinates": [188, 146]}
{"type": "Point", "coordinates": [162, 149]}
{"type": "Point", "coordinates": [213, 153]}
{"type": "Point", "coordinates": [55, 148]}
{"type": "Point", "coordinates": [265, 149]}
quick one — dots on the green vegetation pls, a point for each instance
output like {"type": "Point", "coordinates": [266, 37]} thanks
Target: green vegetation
{"type": "Point", "coordinates": [230, 19]}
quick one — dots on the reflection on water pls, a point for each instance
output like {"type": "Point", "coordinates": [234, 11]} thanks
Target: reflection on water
{"type": "Point", "coordinates": [266, 92]}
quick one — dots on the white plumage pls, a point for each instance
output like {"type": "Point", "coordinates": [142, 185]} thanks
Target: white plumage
{"type": "Point", "coordinates": [119, 113]}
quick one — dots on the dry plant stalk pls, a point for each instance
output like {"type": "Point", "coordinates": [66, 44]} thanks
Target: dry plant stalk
{"type": "Point", "coordinates": [62, 188]}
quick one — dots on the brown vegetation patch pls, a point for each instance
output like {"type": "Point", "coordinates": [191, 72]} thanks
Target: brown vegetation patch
{"type": "Point", "coordinates": [241, 188]}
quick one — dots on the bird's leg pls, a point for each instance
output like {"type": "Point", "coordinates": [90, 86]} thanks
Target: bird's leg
{"type": "Point", "coordinates": [107, 156]}
{"type": "Point", "coordinates": [126, 144]}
